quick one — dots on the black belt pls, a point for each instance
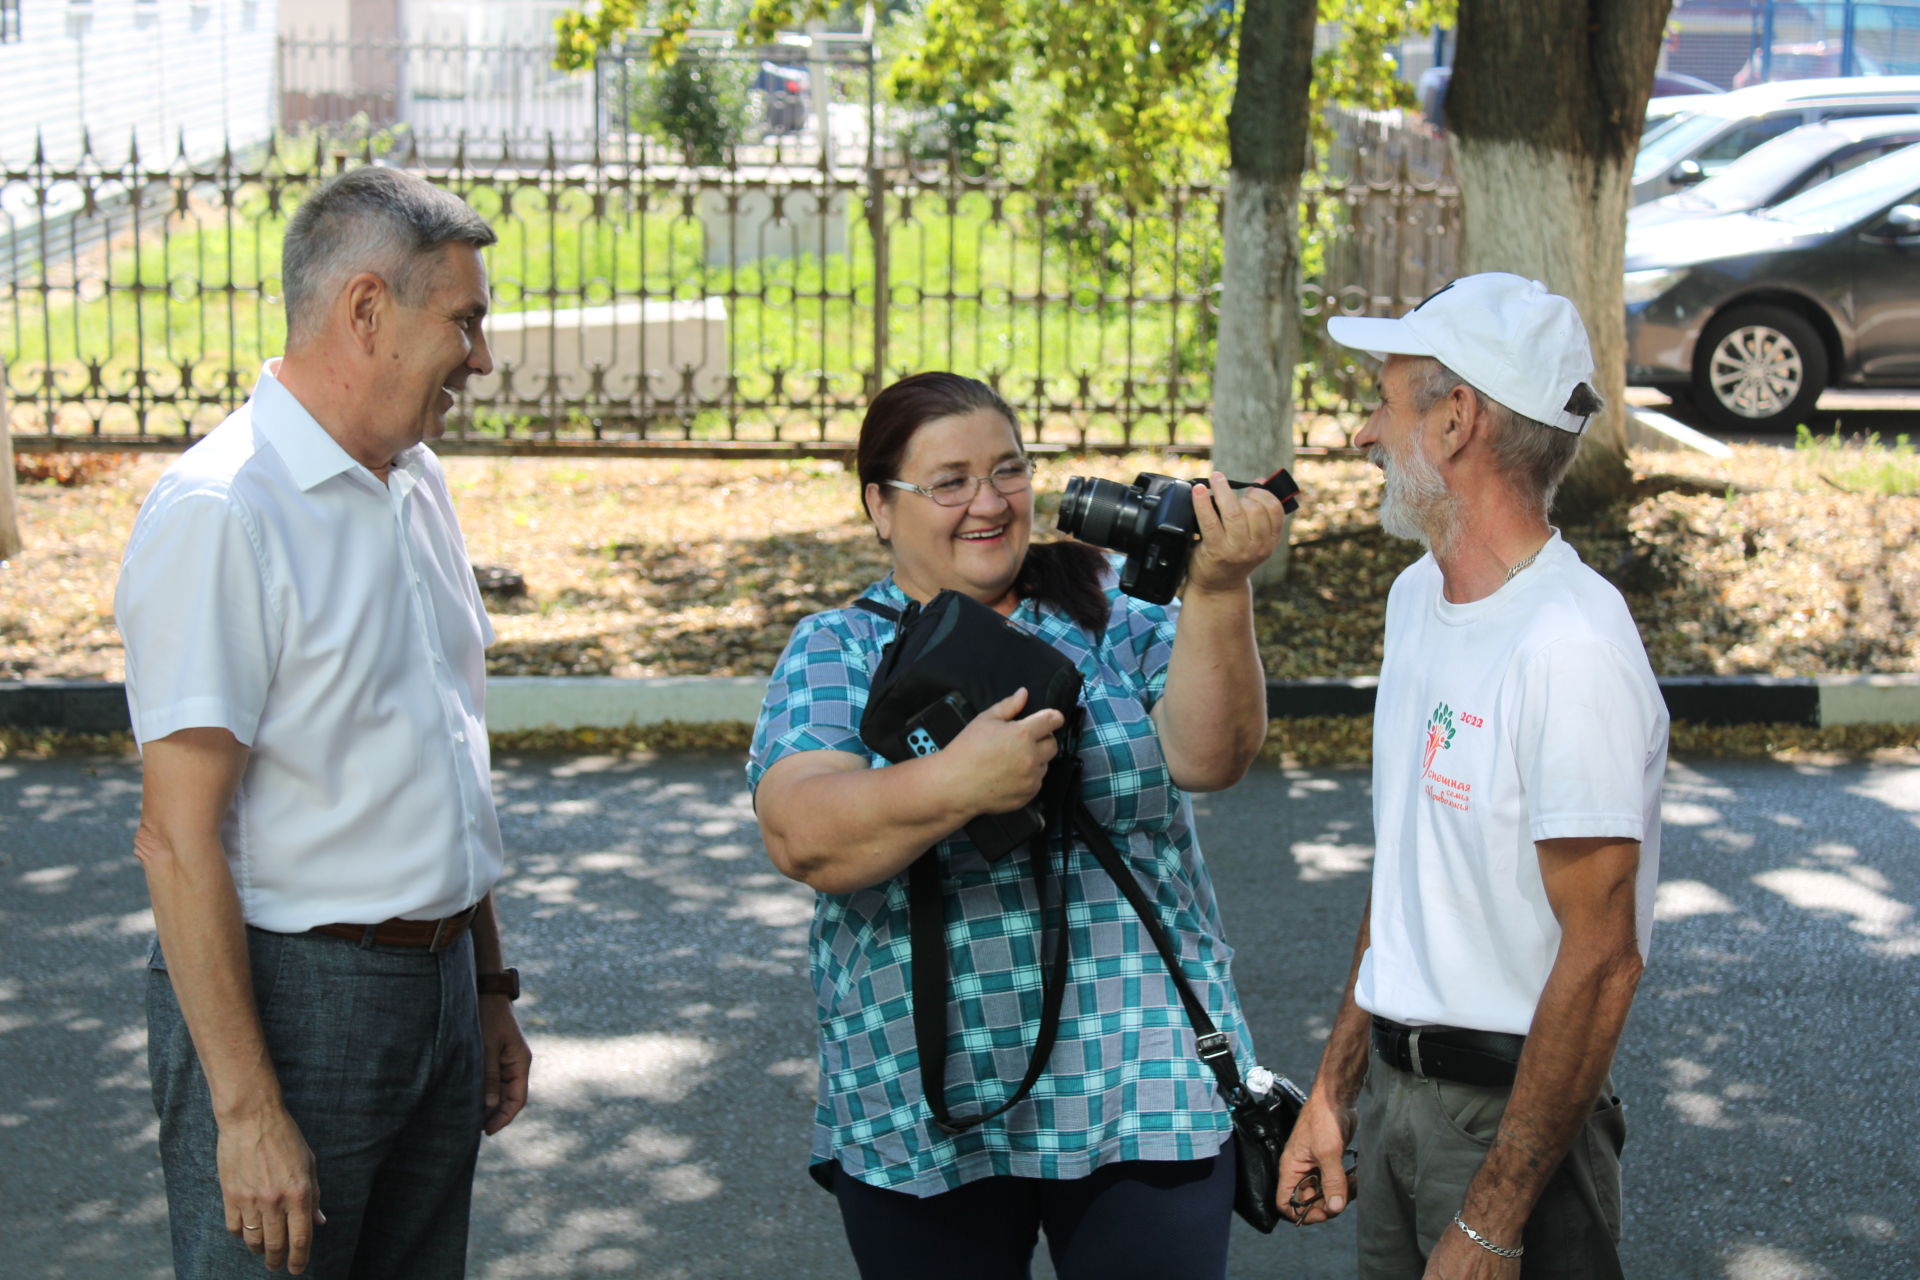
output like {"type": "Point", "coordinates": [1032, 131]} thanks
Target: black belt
{"type": "Point", "coordinates": [1449, 1053]}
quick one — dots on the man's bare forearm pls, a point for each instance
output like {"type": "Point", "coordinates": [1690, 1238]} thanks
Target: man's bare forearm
{"type": "Point", "coordinates": [1320, 1136]}
{"type": "Point", "coordinates": [1570, 1046]}
{"type": "Point", "coordinates": [1343, 1065]}
{"type": "Point", "coordinates": [196, 912]}
{"type": "Point", "coordinates": [189, 779]}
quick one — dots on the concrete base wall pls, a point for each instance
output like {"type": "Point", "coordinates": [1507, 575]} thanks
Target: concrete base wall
{"type": "Point", "coordinates": [661, 350]}
{"type": "Point", "coordinates": [753, 223]}
{"type": "Point", "coordinates": [516, 703]}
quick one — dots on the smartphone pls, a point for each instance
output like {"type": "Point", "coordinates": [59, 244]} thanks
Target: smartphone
{"type": "Point", "coordinates": [994, 834]}
{"type": "Point", "coordinates": [937, 725]}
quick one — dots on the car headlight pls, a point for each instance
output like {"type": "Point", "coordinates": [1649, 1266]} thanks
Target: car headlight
{"type": "Point", "coordinates": [1645, 286]}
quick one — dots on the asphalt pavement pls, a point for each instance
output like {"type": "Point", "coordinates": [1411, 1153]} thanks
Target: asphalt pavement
{"type": "Point", "coordinates": [1771, 1100]}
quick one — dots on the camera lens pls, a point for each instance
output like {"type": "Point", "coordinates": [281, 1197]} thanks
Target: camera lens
{"type": "Point", "coordinates": [1097, 511]}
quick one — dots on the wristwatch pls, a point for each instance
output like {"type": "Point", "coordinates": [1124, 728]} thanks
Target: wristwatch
{"type": "Point", "coordinates": [504, 983]}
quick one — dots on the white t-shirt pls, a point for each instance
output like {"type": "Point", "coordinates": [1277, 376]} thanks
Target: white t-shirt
{"type": "Point", "coordinates": [1529, 715]}
{"type": "Point", "coordinates": [275, 588]}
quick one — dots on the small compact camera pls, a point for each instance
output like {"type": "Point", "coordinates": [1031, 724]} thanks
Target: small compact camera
{"type": "Point", "coordinates": [1151, 523]}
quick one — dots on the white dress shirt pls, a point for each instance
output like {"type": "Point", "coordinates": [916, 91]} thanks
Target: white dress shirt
{"type": "Point", "coordinates": [275, 588]}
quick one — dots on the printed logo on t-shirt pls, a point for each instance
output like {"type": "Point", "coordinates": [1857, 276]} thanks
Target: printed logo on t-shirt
{"type": "Point", "coordinates": [1438, 786]}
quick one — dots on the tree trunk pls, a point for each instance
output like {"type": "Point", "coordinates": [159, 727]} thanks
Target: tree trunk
{"type": "Point", "coordinates": [9, 516]}
{"type": "Point", "coordinates": [1545, 110]}
{"type": "Point", "coordinates": [1259, 328]}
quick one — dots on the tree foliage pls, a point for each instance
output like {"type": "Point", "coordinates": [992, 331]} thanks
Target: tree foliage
{"type": "Point", "coordinates": [1129, 95]}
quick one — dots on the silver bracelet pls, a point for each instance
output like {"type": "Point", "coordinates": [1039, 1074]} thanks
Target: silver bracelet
{"type": "Point", "coordinates": [1487, 1244]}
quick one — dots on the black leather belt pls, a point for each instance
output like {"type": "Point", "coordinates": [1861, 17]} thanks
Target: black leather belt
{"type": "Point", "coordinates": [1449, 1053]}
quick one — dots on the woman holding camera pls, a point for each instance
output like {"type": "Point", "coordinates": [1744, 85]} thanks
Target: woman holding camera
{"type": "Point", "coordinates": [1121, 1153]}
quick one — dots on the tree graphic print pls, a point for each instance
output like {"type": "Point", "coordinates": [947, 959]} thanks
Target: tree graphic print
{"type": "Point", "coordinates": [1439, 735]}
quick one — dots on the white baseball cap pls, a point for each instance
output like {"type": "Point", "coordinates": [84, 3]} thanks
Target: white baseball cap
{"type": "Point", "coordinates": [1504, 334]}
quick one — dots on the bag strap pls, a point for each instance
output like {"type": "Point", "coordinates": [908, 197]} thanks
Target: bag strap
{"type": "Point", "coordinates": [886, 611]}
{"type": "Point", "coordinates": [932, 979]}
{"type": "Point", "coordinates": [927, 932]}
{"type": "Point", "coordinates": [1209, 1041]}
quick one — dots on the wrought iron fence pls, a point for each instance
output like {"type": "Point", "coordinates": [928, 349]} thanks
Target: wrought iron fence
{"type": "Point", "coordinates": [645, 303]}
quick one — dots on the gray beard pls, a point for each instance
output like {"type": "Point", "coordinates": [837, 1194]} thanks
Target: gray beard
{"type": "Point", "coordinates": [1416, 503]}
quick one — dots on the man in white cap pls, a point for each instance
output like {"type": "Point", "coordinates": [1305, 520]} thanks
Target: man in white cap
{"type": "Point", "coordinates": [1518, 745]}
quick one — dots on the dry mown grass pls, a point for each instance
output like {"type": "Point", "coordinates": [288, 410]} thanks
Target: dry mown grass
{"type": "Point", "coordinates": [1754, 564]}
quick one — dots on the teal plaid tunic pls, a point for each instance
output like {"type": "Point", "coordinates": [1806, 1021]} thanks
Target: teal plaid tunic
{"type": "Point", "coordinates": [1123, 1082]}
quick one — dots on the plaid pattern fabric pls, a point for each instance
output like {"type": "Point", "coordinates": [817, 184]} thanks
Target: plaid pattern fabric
{"type": "Point", "coordinates": [1123, 1082]}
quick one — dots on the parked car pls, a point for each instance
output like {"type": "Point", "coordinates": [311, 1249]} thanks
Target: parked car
{"type": "Point", "coordinates": [1719, 130]}
{"type": "Point", "coordinates": [1664, 109]}
{"type": "Point", "coordinates": [1430, 91]}
{"type": "Point", "coordinates": [1779, 170]}
{"type": "Point", "coordinates": [1753, 315]}
{"type": "Point", "coordinates": [783, 97]}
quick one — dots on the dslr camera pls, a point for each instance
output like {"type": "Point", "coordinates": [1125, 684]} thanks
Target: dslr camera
{"type": "Point", "coordinates": [1151, 522]}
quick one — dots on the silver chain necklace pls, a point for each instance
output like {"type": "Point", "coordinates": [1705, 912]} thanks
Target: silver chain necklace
{"type": "Point", "coordinates": [1523, 564]}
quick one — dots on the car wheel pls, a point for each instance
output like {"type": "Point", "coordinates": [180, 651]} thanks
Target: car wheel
{"type": "Point", "coordinates": [1758, 368]}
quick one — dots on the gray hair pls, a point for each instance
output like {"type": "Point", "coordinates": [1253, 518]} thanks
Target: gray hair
{"type": "Point", "coordinates": [1532, 456]}
{"type": "Point", "coordinates": [370, 219]}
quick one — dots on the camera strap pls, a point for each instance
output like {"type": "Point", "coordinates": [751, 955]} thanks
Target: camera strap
{"type": "Point", "coordinates": [932, 977]}
{"type": "Point", "coordinates": [1211, 1044]}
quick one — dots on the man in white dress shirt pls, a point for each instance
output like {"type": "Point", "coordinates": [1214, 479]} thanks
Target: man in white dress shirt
{"type": "Point", "coordinates": [330, 1018]}
{"type": "Point", "coordinates": [1519, 742]}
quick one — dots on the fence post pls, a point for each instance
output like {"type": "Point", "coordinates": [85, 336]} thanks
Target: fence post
{"type": "Point", "coordinates": [9, 517]}
{"type": "Point", "coordinates": [882, 278]}
{"type": "Point", "coordinates": [1766, 44]}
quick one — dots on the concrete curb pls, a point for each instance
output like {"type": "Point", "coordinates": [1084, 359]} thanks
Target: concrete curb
{"type": "Point", "coordinates": [519, 703]}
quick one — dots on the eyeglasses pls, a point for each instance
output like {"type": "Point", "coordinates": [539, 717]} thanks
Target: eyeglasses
{"type": "Point", "coordinates": [1307, 1193]}
{"type": "Point", "coordinates": [1007, 479]}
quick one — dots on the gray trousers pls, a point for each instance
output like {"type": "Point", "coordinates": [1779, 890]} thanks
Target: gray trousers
{"type": "Point", "coordinates": [379, 1055]}
{"type": "Point", "coordinates": [1421, 1140]}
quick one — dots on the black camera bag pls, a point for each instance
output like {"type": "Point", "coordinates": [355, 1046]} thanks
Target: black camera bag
{"type": "Point", "coordinates": [954, 645]}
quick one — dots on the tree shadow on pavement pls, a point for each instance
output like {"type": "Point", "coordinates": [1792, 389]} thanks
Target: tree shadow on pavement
{"type": "Point", "coordinates": [672, 1022]}
{"type": "Point", "coordinates": [1767, 1050]}
{"type": "Point", "coordinates": [78, 1153]}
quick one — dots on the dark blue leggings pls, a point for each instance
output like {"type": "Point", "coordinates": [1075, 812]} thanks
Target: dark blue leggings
{"type": "Point", "coordinates": [1150, 1219]}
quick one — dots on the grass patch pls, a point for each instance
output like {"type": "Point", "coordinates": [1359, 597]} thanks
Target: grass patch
{"type": "Point", "coordinates": [1863, 464]}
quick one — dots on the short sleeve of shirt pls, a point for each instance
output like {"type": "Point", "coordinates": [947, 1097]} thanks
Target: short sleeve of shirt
{"type": "Point", "coordinates": [814, 698]}
{"type": "Point", "coordinates": [1585, 723]}
{"type": "Point", "coordinates": [194, 614]}
{"type": "Point", "coordinates": [1149, 639]}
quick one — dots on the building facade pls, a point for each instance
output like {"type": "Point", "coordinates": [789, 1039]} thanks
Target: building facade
{"type": "Point", "coordinates": [164, 74]}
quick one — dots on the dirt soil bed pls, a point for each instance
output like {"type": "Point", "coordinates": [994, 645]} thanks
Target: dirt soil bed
{"type": "Point", "coordinates": [1754, 564]}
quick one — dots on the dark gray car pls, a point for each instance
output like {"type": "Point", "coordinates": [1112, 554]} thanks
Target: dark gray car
{"type": "Point", "coordinates": [1752, 315]}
